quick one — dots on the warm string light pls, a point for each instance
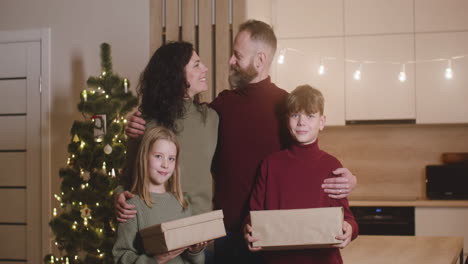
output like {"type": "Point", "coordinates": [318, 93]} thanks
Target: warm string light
{"type": "Point", "coordinates": [448, 70]}
{"type": "Point", "coordinates": [85, 95]}
{"type": "Point", "coordinates": [321, 69]}
{"type": "Point", "coordinates": [402, 74]}
{"type": "Point", "coordinates": [357, 75]}
{"type": "Point", "coordinates": [281, 56]}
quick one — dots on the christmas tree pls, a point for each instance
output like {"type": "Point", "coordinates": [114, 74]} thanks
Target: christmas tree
{"type": "Point", "coordinates": [84, 230]}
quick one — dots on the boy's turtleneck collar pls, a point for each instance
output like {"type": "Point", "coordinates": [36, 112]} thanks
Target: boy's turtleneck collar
{"type": "Point", "coordinates": [302, 150]}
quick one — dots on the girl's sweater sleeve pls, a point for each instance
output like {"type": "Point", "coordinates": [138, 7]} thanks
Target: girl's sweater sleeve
{"type": "Point", "coordinates": [194, 258]}
{"type": "Point", "coordinates": [125, 247]}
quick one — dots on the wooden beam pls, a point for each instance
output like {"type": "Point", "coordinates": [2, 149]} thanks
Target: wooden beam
{"type": "Point", "coordinates": [223, 45]}
{"type": "Point", "coordinates": [155, 25]}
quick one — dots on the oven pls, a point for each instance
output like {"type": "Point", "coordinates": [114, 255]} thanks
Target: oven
{"type": "Point", "coordinates": [390, 221]}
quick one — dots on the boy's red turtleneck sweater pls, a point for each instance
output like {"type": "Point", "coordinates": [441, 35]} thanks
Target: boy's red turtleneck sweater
{"type": "Point", "coordinates": [292, 179]}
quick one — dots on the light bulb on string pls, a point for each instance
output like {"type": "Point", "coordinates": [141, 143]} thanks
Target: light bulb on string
{"type": "Point", "coordinates": [321, 68]}
{"type": "Point", "coordinates": [448, 70]}
{"type": "Point", "coordinates": [402, 74]}
{"type": "Point", "coordinates": [357, 73]}
{"type": "Point", "coordinates": [281, 56]}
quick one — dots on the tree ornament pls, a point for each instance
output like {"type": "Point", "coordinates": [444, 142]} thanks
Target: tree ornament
{"type": "Point", "coordinates": [85, 212]}
{"type": "Point", "coordinates": [76, 138]}
{"type": "Point", "coordinates": [99, 127]}
{"type": "Point", "coordinates": [104, 169]}
{"type": "Point", "coordinates": [125, 85]}
{"type": "Point", "coordinates": [85, 175]}
{"type": "Point", "coordinates": [107, 149]}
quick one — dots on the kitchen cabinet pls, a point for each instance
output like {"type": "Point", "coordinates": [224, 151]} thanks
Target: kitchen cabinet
{"type": "Point", "coordinates": [439, 99]}
{"type": "Point", "coordinates": [378, 94]}
{"type": "Point", "coordinates": [442, 221]}
{"type": "Point", "coordinates": [301, 62]}
{"type": "Point", "coordinates": [365, 35]}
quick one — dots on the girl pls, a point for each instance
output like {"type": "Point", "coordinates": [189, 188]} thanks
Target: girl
{"type": "Point", "coordinates": [158, 198]}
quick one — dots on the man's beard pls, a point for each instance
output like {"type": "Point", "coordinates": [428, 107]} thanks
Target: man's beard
{"type": "Point", "coordinates": [239, 78]}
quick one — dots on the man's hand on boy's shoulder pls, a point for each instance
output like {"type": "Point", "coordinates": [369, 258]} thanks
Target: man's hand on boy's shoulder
{"type": "Point", "coordinates": [136, 125]}
{"type": "Point", "coordinates": [123, 210]}
{"type": "Point", "coordinates": [340, 187]}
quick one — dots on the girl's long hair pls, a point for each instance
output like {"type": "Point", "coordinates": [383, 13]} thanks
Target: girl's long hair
{"type": "Point", "coordinates": [141, 178]}
{"type": "Point", "coordinates": [163, 85]}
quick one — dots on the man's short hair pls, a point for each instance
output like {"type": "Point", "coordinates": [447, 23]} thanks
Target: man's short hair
{"type": "Point", "coordinates": [306, 99]}
{"type": "Point", "coordinates": [259, 31]}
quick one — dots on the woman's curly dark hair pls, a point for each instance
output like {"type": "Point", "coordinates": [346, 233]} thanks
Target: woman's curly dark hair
{"type": "Point", "coordinates": [163, 85]}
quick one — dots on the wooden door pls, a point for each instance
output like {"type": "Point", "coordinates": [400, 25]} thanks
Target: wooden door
{"type": "Point", "coordinates": [20, 148]}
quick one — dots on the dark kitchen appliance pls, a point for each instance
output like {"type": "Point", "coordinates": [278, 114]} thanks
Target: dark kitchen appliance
{"type": "Point", "coordinates": [447, 182]}
{"type": "Point", "coordinates": [389, 221]}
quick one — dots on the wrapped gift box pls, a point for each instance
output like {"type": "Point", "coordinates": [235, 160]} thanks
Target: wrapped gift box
{"type": "Point", "coordinates": [183, 232]}
{"type": "Point", "coordinates": [297, 228]}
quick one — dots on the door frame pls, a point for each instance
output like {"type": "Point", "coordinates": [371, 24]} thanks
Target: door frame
{"type": "Point", "coordinates": [43, 36]}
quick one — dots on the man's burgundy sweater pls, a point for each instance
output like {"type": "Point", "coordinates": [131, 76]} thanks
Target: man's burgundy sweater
{"type": "Point", "coordinates": [249, 130]}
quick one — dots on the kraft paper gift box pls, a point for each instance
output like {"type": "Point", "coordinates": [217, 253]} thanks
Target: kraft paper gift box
{"type": "Point", "coordinates": [183, 232]}
{"type": "Point", "coordinates": [297, 228]}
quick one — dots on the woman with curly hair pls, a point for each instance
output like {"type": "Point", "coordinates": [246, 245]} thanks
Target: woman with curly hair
{"type": "Point", "coordinates": [169, 90]}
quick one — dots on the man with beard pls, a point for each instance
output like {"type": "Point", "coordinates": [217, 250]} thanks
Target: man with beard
{"type": "Point", "coordinates": [249, 130]}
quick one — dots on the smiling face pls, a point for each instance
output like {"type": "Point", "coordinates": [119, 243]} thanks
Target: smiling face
{"type": "Point", "coordinates": [161, 164]}
{"type": "Point", "coordinates": [241, 62]}
{"type": "Point", "coordinates": [195, 73]}
{"type": "Point", "coordinates": [304, 128]}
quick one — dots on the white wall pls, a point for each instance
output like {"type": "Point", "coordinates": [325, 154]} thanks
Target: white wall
{"type": "Point", "coordinates": [77, 30]}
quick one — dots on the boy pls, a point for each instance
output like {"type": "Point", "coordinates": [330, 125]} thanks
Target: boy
{"type": "Point", "coordinates": [291, 178]}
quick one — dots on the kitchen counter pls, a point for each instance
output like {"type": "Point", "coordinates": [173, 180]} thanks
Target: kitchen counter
{"type": "Point", "coordinates": [415, 203]}
{"type": "Point", "coordinates": [403, 250]}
